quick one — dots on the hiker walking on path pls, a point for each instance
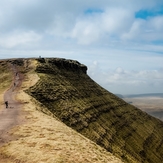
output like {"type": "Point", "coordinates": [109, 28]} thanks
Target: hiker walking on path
{"type": "Point", "coordinates": [6, 103]}
{"type": "Point", "coordinates": [10, 114]}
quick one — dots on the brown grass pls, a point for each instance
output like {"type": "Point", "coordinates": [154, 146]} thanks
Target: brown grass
{"type": "Point", "coordinates": [44, 139]}
{"type": "Point", "coordinates": [5, 80]}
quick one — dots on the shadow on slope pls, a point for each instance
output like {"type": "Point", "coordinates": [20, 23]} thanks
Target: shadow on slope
{"type": "Point", "coordinates": [71, 95]}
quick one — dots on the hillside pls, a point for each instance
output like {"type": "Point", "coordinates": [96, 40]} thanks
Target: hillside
{"type": "Point", "coordinates": [5, 78]}
{"type": "Point", "coordinates": [73, 97]}
{"type": "Point", "coordinates": [39, 138]}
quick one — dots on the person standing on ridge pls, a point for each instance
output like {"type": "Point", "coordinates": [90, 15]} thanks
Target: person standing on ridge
{"type": "Point", "coordinates": [6, 102]}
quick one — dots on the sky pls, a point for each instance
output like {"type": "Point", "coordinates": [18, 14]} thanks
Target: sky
{"type": "Point", "coordinates": [120, 41]}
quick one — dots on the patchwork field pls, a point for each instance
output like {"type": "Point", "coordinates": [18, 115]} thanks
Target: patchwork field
{"type": "Point", "coordinates": [153, 105]}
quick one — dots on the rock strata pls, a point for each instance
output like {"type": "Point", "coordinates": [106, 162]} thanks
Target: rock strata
{"type": "Point", "coordinates": [72, 96]}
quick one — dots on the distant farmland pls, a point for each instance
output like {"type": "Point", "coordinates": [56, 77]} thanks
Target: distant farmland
{"type": "Point", "coordinates": [150, 103]}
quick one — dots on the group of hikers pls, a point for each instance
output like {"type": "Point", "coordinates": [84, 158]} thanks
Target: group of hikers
{"type": "Point", "coordinates": [6, 102]}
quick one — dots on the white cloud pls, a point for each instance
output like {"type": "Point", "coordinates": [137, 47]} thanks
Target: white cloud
{"type": "Point", "coordinates": [86, 32]}
{"type": "Point", "coordinates": [135, 30]}
{"type": "Point", "coordinates": [17, 39]}
{"type": "Point", "coordinates": [128, 81]}
{"type": "Point", "coordinates": [116, 20]}
{"type": "Point", "coordinates": [111, 22]}
{"type": "Point", "coordinates": [146, 30]}
{"type": "Point", "coordinates": [155, 23]}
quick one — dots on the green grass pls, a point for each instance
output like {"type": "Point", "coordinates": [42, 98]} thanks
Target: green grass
{"type": "Point", "coordinates": [82, 104]}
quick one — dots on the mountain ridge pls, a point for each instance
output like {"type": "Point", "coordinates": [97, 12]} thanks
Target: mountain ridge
{"type": "Point", "coordinates": [72, 96]}
{"type": "Point", "coordinates": [42, 138]}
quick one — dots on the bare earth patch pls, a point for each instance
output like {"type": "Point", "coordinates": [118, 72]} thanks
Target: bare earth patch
{"type": "Point", "coordinates": [44, 139]}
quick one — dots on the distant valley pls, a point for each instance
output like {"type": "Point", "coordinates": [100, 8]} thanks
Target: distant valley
{"type": "Point", "coordinates": [151, 103]}
{"type": "Point", "coordinates": [143, 95]}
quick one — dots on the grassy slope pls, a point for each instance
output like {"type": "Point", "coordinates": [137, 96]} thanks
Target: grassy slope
{"type": "Point", "coordinates": [45, 139]}
{"type": "Point", "coordinates": [79, 102]}
{"type": "Point", "coordinates": [5, 79]}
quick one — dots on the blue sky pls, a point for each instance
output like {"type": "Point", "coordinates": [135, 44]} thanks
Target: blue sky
{"type": "Point", "coordinates": [121, 42]}
{"type": "Point", "coordinates": [149, 12]}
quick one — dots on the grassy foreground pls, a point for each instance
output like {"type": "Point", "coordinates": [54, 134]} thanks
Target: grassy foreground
{"type": "Point", "coordinates": [45, 139]}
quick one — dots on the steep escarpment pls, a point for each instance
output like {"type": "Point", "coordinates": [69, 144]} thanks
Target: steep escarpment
{"type": "Point", "coordinates": [71, 95]}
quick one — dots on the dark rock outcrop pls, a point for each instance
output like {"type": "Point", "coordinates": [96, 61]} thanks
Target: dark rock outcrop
{"type": "Point", "coordinates": [62, 63]}
{"type": "Point", "coordinates": [18, 62]}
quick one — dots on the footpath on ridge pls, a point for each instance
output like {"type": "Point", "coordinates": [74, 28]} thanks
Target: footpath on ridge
{"type": "Point", "coordinates": [43, 138]}
{"type": "Point", "coordinates": [10, 117]}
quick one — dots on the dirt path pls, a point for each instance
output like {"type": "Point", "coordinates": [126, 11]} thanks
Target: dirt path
{"type": "Point", "coordinates": [10, 117]}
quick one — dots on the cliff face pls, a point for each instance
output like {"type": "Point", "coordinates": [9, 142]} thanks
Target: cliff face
{"type": "Point", "coordinates": [71, 95]}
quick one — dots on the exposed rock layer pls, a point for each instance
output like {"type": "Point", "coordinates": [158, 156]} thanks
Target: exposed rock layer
{"type": "Point", "coordinates": [71, 95]}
